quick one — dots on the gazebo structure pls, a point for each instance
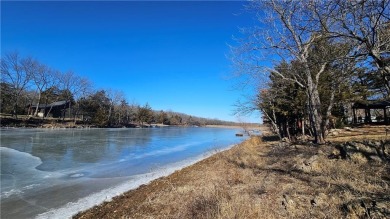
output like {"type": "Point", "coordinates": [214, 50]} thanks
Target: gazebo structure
{"type": "Point", "coordinates": [380, 107]}
{"type": "Point", "coordinates": [56, 109]}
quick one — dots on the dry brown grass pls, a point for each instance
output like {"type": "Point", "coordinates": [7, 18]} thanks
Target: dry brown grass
{"type": "Point", "coordinates": [360, 133]}
{"type": "Point", "coordinates": [259, 179]}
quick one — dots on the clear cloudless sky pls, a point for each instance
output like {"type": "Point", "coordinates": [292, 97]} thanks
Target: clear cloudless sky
{"type": "Point", "coordinates": [171, 54]}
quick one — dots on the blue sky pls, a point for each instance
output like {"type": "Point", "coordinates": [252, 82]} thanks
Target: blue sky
{"type": "Point", "coordinates": [169, 54]}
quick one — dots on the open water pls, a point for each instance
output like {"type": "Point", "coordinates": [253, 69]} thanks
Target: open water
{"type": "Point", "coordinates": [57, 173]}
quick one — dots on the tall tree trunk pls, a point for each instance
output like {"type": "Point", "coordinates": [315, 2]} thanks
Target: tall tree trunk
{"type": "Point", "coordinates": [64, 114]}
{"type": "Point", "coordinates": [51, 107]}
{"type": "Point", "coordinates": [384, 69]}
{"type": "Point", "coordinates": [314, 110]}
{"type": "Point", "coordinates": [75, 111]}
{"type": "Point", "coordinates": [39, 100]}
{"type": "Point", "coordinates": [328, 111]}
{"type": "Point", "coordinates": [109, 115]}
{"type": "Point", "coordinates": [14, 111]}
{"type": "Point", "coordinates": [15, 108]}
{"type": "Point", "coordinates": [69, 109]}
{"type": "Point", "coordinates": [386, 80]}
{"type": "Point", "coordinates": [273, 122]}
{"type": "Point", "coordinates": [48, 112]}
{"type": "Point", "coordinates": [288, 130]}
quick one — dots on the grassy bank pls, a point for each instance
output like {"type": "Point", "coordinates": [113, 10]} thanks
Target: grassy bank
{"type": "Point", "coordinates": [261, 178]}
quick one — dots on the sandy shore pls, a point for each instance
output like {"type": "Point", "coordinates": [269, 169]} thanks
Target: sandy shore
{"type": "Point", "coordinates": [264, 179]}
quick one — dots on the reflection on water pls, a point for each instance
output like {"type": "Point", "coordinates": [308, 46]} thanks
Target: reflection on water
{"type": "Point", "coordinates": [73, 163]}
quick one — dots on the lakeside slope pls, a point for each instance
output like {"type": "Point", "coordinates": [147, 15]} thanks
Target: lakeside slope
{"type": "Point", "coordinates": [261, 178]}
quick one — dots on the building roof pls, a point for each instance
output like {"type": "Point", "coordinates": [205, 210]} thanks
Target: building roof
{"type": "Point", "coordinates": [59, 103]}
{"type": "Point", "coordinates": [54, 104]}
{"type": "Point", "coordinates": [372, 104]}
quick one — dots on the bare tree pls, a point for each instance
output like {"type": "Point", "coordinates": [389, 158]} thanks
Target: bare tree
{"type": "Point", "coordinates": [14, 73]}
{"type": "Point", "coordinates": [41, 76]}
{"type": "Point", "coordinates": [294, 32]}
{"type": "Point", "coordinates": [53, 83]}
{"type": "Point", "coordinates": [366, 26]}
{"type": "Point", "coordinates": [289, 33]}
{"type": "Point", "coordinates": [115, 97]}
{"type": "Point", "coordinates": [121, 111]}
{"type": "Point", "coordinates": [75, 88]}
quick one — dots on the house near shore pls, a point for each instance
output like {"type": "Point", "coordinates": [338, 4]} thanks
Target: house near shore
{"type": "Point", "coordinates": [55, 109]}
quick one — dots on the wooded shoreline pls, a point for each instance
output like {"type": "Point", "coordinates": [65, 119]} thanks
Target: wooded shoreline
{"type": "Point", "coordinates": [33, 122]}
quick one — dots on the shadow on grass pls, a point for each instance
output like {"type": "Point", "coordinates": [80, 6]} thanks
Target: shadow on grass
{"type": "Point", "coordinates": [367, 149]}
{"type": "Point", "coordinates": [268, 138]}
{"type": "Point", "coordinates": [364, 202]}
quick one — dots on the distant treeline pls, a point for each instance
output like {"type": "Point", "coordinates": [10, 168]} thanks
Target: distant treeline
{"type": "Point", "coordinates": [29, 87]}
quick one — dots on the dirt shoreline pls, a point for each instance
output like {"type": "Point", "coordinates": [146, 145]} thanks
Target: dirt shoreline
{"type": "Point", "coordinates": [266, 179]}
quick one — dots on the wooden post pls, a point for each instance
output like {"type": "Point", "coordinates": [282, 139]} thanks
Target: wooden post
{"type": "Point", "coordinates": [369, 115]}
{"type": "Point", "coordinates": [385, 115]}
{"type": "Point", "coordinates": [354, 115]}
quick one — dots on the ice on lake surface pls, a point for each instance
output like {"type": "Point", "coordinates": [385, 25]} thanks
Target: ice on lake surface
{"type": "Point", "coordinates": [50, 173]}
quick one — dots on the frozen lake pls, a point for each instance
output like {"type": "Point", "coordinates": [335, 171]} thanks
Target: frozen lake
{"type": "Point", "coordinates": [56, 173]}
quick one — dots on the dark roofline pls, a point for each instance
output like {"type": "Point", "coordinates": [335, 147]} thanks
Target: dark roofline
{"type": "Point", "coordinates": [372, 104]}
{"type": "Point", "coordinates": [54, 104]}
